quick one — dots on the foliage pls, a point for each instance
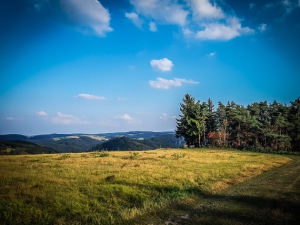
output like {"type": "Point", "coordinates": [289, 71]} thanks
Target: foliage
{"type": "Point", "coordinates": [124, 143]}
{"type": "Point", "coordinates": [268, 127]}
{"type": "Point", "coordinates": [22, 147]}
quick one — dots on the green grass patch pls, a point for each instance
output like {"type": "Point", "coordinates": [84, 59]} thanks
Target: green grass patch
{"type": "Point", "coordinates": [119, 187]}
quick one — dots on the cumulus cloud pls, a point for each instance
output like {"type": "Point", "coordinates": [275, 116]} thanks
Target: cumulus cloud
{"type": "Point", "coordinates": [162, 64]}
{"type": "Point", "coordinates": [41, 113]}
{"type": "Point", "coordinates": [152, 27]}
{"type": "Point", "coordinates": [225, 32]}
{"type": "Point", "coordinates": [134, 17]}
{"type": "Point", "coordinates": [67, 119]}
{"type": "Point", "coordinates": [166, 11]}
{"type": "Point", "coordinates": [88, 15]}
{"type": "Point", "coordinates": [214, 22]}
{"type": "Point", "coordinates": [162, 83]}
{"type": "Point", "coordinates": [90, 97]}
{"type": "Point", "coordinates": [124, 117]}
{"type": "Point", "coordinates": [203, 9]}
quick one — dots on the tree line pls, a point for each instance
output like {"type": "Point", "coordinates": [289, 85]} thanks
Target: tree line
{"type": "Point", "coordinates": [259, 126]}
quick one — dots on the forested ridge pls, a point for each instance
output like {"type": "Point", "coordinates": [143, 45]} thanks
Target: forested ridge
{"type": "Point", "coordinates": [259, 126]}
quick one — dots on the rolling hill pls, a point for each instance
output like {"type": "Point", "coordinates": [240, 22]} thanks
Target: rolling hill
{"type": "Point", "coordinates": [125, 143]}
{"type": "Point", "coordinates": [139, 140]}
{"type": "Point", "coordinates": [22, 147]}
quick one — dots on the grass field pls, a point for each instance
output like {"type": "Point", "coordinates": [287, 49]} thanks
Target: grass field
{"type": "Point", "coordinates": [117, 187]}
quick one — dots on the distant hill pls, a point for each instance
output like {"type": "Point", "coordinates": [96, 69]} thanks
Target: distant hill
{"type": "Point", "coordinates": [122, 144]}
{"type": "Point", "coordinates": [72, 143]}
{"type": "Point", "coordinates": [85, 142]}
{"type": "Point", "coordinates": [22, 147]}
{"type": "Point", "coordinates": [125, 143]}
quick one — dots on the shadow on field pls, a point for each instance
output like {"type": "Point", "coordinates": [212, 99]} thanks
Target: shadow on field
{"type": "Point", "coordinates": [272, 198]}
{"type": "Point", "coordinates": [218, 209]}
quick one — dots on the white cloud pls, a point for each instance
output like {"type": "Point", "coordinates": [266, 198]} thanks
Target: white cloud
{"type": "Point", "coordinates": [163, 116]}
{"type": "Point", "coordinates": [88, 14]}
{"type": "Point", "coordinates": [41, 113]}
{"type": "Point", "coordinates": [187, 32]}
{"type": "Point", "coordinates": [216, 24]}
{"type": "Point", "coordinates": [290, 5]}
{"type": "Point", "coordinates": [67, 119]}
{"type": "Point", "coordinates": [251, 6]}
{"type": "Point", "coordinates": [162, 83]}
{"type": "Point", "coordinates": [162, 64]}
{"type": "Point", "coordinates": [212, 54]}
{"type": "Point", "coordinates": [122, 99]}
{"type": "Point", "coordinates": [124, 117]}
{"type": "Point", "coordinates": [203, 9]}
{"type": "Point", "coordinates": [166, 11]}
{"type": "Point", "coordinates": [90, 97]}
{"type": "Point", "coordinates": [262, 27]}
{"type": "Point", "coordinates": [10, 118]}
{"type": "Point", "coordinates": [135, 19]}
{"type": "Point", "coordinates": [152, 27]}
{"type": "Point", "coordinates": [225, 32]}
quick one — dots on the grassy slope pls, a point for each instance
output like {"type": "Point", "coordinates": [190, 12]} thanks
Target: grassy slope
{"type": "Point", "coordinates": [270, 198]}
{"type": "Point", "coordinates": [123, 187]}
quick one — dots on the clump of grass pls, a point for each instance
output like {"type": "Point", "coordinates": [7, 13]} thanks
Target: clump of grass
{"type": "Point", "coordinates": [64, 156]}
{"type": "Point", "coordinates": [100, 153]}
{"type": "Point", "coordinates": [132, 155]}
{"type": "Point", "coordinates": [178, 155]}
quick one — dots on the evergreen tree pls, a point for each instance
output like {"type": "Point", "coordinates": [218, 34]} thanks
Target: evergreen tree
{"type": "Point", "coordinates": [190, 123]}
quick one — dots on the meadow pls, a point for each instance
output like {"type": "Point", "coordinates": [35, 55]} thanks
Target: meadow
{"type": "Point", "coordinates": [118, 187]}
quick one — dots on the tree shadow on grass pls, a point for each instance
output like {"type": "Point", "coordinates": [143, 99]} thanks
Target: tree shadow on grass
{"type": "Point", "coordinates": [222, 209]}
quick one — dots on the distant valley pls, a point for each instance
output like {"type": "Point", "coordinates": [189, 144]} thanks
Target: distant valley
{"type": "Point", "coordinates": [134, 140]}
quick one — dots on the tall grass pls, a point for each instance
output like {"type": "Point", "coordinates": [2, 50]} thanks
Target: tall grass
{"type": "Point", "coordinates": [88, 188]}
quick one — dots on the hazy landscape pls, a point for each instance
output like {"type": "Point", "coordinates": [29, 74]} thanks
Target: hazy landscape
{"type": "Point", "coordinates": [145, 112]}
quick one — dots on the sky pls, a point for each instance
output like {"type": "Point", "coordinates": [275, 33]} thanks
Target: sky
{"type": "Point", "coordinates": [88, 66]}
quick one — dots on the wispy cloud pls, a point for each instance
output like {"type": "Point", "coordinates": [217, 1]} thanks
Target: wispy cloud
{"type": "Point", "coordinates": [41, 113]}
{"type": "Point", "coordinates": [124, 117]}
{"type": "Point", "coordinates": [162, 83]}
{"type": "Point", "coordinates": [212, 54]}
{"type": "Point", "coordinates": [67, 119]}
{"type": "Point", "coordinates": [163, 116]}
{"type": "Point", "coordinates": [262, 27]}
{"type": "Point", "coordinates": [10, 118]}
{"type": "Point", "coordinates": [90, 97]}
{"type": "Point", "coordinates": [162, 64]}
{"type": "Point", "coordinates": [89, 15]}
{"type": "Point", "coordinates": [134, 17]}
{"type": "Point", "coordinates": [152, 27]}
{"type": "Point", "coordinates": [290, 5]}
{"type": "Point", "coordinates": [166, 11]}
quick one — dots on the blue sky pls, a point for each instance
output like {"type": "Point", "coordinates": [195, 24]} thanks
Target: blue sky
{"type": "Point", "coordinates": [88, 66]}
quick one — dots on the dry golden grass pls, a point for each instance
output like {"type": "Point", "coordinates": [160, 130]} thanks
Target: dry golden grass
{"type": "Point", "coordinates": [103, 188]}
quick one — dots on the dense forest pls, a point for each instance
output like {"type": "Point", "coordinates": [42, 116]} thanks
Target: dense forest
{"type": "Point", "coordinates": [22, 147]}
{"type": "Point", "coordinates": [259, 126]}
{"type": "Point", "coordinates": [125, 143]}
